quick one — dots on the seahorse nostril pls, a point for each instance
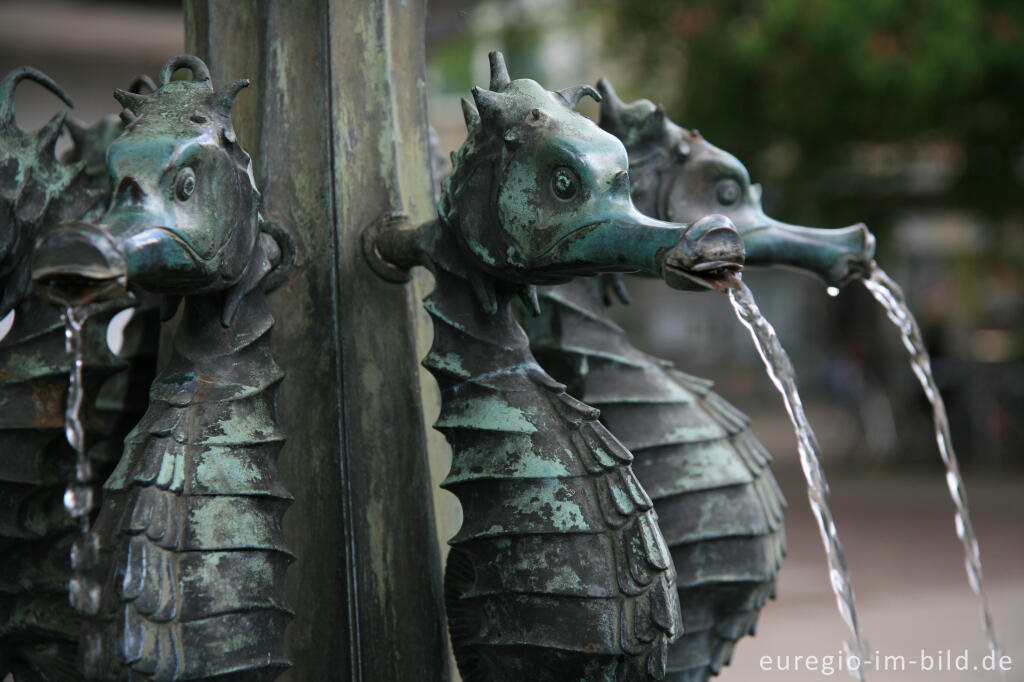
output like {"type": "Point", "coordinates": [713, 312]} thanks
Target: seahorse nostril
{"type": "Point", "coordinates": [621, 181]}
{"type": "Point", "coordinates": [721, 244]}
{"type": "Point", "coordinates": [130, 186]}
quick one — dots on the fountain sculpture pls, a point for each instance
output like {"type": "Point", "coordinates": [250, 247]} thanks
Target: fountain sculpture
{"type": "Point", "coordinates": [634, 542]}
{"type": "Point", "coordinates": [694, 451]}
{"type": "Point", "coordinates": [559, 570]}
{"type": "Point", "coordinates": [39, 629]}
{"type": "Point", "coordinates": [186, 558]}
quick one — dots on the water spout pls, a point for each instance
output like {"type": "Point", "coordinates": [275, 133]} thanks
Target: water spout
{"type": "Point", "coordinates": [890, 296]}
{"type": "Point", "coordinates": [782, 374]}
{"type": "Point", "coordinates": [79, 497]}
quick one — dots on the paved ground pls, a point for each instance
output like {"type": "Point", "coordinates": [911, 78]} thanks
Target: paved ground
{"type": "Point", "coordinates": [908, 575]}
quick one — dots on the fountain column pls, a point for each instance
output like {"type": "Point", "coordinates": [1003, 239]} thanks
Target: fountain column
{"type": "Point", "coordinates": [336, 123]}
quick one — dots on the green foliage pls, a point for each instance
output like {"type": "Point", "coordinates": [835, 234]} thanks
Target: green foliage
{"type": "Point", "coordinates": [823, 73]}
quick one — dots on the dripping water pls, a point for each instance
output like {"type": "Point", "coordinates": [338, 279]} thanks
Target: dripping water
{"type": "Point", "coordinates": [78, 496]}
{"type": "Point", "coordinates": [83, 591]}
{"type": "Point", "coordinates": [890, 296]}
{"type": "Point", "coordinates": [6, 324]}
{"type": "Point", "coordinates": [782, 374]}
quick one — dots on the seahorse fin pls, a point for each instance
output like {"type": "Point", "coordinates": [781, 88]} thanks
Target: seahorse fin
{"type": "Point", "coordinates": [528, 295]}
{"type": "Point", "coordinates": [484, 292]}
{"type": "Point", "coordinates": [259, 267]}
{"type": "Point", "coordinates": [169, 306]}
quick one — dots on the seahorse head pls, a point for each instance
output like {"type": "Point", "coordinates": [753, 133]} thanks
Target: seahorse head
{"type": "Point", "coordinates": [539, 193]}
{"type": "Point", "coordinates": [678, 175]}
{"type": "Point", "coordinates": [35, 188]}
{"type": "Point", "coordinates": [185, 213]}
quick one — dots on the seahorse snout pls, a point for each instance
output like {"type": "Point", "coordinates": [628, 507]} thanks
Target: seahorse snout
{"type": "Point", "coordinates": [76, 264]}
{"type": "Point", "coordinates": [710, 248]}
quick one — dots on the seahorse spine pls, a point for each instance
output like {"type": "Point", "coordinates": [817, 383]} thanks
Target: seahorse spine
{"type": "Point", "coordinates": [555, 520]}
{"type": "Point", "coordinates": [719, 506]}
{"type": "Point", "coordinates": [195, 510]}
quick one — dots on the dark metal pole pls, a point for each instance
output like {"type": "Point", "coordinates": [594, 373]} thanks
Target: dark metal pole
{"type": "Point", "coordinates": [337, 125]}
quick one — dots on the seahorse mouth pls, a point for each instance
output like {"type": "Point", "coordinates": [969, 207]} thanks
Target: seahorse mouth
{"type": "Point", "coordinates": [77, 265]}
{"type": "Point", "coordinates": [716, 274]}
{"type": "Point", "coordinates": [707, 261]}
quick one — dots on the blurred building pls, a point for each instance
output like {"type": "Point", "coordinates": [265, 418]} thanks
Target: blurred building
{"type": "Point", "coordinates": [88, 48]}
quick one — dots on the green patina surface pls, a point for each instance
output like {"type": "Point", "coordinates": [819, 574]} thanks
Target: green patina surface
{"type": "Point", "coordinates": [337, 123]}
{"type": "Point", "coordinates": [678, 175]}
{"type": "Point", "coordinates": [38, 187]}
{"type": "Point", "coordinates": [488, 413]}
{"type": "Point", "coordinates": [562, 204]}
{"type": "Point", "coordinates": [185, 222]}
{"type": "Point", "coordinates": [537, 194]}
{"type": "Point", "coordinates": [718, 506]}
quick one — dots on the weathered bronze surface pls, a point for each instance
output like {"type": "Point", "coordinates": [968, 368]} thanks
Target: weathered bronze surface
{"type": "Point", "coordinates": [337, 123]}
{"type": "Point", "coordinates": [35, 186]}
{"type": "Point", "coordinates": [676, 174]}
{"type": "Point", "coordinates": [191, 555]}
{"type": "Point", "coordinates": [38, 630]}
{"type": "Point", "coordinates": [559, 570]}
{"type": "Point", "coordinates": [718, 504]}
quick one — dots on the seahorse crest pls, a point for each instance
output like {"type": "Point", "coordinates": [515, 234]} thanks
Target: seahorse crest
{"type": "Point", "coordinates": [514, 129]}
{"type": "Point", "coordinates": [197, 101]}
{"type": "Point", "coordinates": [35, 187]}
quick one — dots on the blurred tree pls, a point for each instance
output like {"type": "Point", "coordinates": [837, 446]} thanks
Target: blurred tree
{"type": "Point", "coordinates": [875, 110]}
{"type": "Point", "coordinates": [822, 73]}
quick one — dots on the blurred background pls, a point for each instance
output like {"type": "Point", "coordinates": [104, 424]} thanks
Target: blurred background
{"type": "Point", "coordinates": [904, 114]}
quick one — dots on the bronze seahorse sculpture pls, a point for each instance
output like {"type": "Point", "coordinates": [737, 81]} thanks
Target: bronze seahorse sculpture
{"type": "Point", "coordinates": [38, 630]}
{"type": "Point", "coordinates": [719, 506]}
{"type": "Point", "coordinates": [124, 395]}
{"type": "Point", "coordinates": [559, 571]}
{"type": "Point", "coordinates": [191, 559]}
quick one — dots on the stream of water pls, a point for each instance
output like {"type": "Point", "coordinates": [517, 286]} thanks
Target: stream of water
{"type": "Point", "coordinates": [83, 591]}
{"type": "Point", "coordinates": [781, 372]}
{"type": "Point", "coordinates": [890, 296]}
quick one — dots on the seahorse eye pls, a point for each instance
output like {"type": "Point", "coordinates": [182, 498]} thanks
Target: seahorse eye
{"type": "Point", "coordinates": [728, 192]}
{"type": "Point", "coordinates": [565, 183]}
{"type": "Point", "coordinates": [185, 183]}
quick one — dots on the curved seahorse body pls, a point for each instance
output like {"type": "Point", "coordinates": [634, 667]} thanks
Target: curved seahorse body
{"type": "Point", "coordinates": [188, 570]}
{"type": "Point", "coordinates": [194, 509]}
{"type": "Point", "coordinates": [36, 531]}
{"type": "Point", "coordinates": [719, 506]}
{"type": "Point", "coordinates": [557, 530]}
{"type": "Point", "coordinates": [720, 509]}
{"type": "Point", "coordinates": [559, 571]}
{"type": "Point", "coordinates": [38, 629]}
